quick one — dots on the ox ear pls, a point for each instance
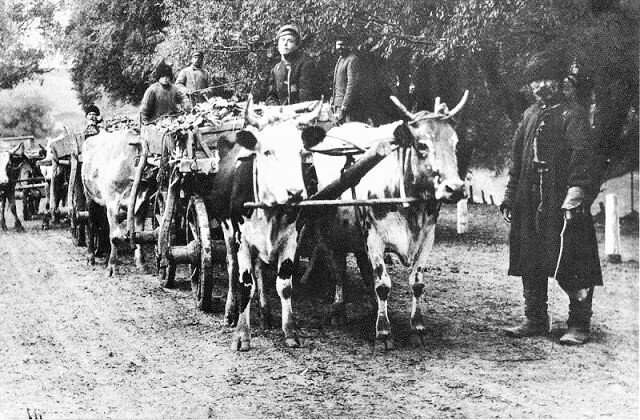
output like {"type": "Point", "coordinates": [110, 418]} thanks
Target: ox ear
{"type": "Point", "coordinates": [312, 136]}
{"type": "Point", "coordinates": [246, 139]}
{"type": "Point", "coordinates": [402, 135]}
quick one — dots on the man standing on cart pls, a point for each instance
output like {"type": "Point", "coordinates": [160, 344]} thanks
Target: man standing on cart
{"type": "Point", "coordinates": [295, 78]}
{"type": "Point", "coordinates": [194, 80]}
{"type": "Point", "coordinates": [162, 97]}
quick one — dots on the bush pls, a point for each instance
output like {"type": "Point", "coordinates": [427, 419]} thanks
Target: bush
{"type": "Point", "coordinates": [24, 112]}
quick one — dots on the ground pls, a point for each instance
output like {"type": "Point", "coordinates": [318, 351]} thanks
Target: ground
{"type": "Point", "coordinates": [77, 344]}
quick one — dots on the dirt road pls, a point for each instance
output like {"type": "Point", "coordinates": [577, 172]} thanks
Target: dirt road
{"type": "Point", "coordinates": [76, 344]}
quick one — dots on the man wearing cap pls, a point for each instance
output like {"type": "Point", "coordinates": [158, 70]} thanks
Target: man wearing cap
{"type": "Point", "coordinates": [92, 114]}
{"type": "Point", "coordinates": [162, 97]}
{"type": "Point", "coordinates": [295, 78]}
{"type": "Point", "coordinates": [194, 78]}
{"type": "Point", "coordinates": [349, 90]}
{"type": "Point", "coordinates": [552, 183]}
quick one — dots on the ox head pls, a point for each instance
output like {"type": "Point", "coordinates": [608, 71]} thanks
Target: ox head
{"type": "Point", "coordinates": [278, 147]}
{"type": "Point", "coordinates": [430, 160]}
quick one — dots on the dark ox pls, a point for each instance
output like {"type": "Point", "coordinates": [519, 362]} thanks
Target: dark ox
{"type": "Point", "coordinates": [11, 166]}
{"type": "Point", "coordinates": [107, 176]}
{"type": "Point", "coordinates": [424, 167]}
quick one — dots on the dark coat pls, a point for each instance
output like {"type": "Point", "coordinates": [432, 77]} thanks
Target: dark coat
{"type": "Point", "coordinates": [565, 142]}
{"type": "Point", "coordinates": [348, 87]}
{"type": "Point", "coordinates": [161, 100]}
{"type": "Point", "coordinates": [302, 85]}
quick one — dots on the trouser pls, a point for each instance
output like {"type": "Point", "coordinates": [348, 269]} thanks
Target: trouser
{"type": "Point", "coordinates": [535, 297]}
{"type": "Point", "coordinates": [580, 307]}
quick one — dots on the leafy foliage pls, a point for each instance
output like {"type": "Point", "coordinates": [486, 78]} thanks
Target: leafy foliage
{"type": "Point", "coordinates": [480, 45]}
{"type": "Point", "coordinates": [111, 44]}
{"type": "Point", "coordinates": [24, 112]}
{"type": "Point", "coordinates": [20, 22]}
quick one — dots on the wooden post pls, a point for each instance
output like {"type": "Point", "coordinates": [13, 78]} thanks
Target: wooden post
{"type": "Point", "coordinates": [470, 200]}
{"type": "Point", "coordinates": [612, 229]}
{"type": "Point", "coordinates": [463, 217]}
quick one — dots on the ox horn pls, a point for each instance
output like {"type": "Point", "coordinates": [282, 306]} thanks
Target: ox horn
{"type": "Point", "coordinates": [458, 107]}
{"type": "Point", "coordinates": [314, 114]}
{"type": "Point", "coordinates": [249, 117]}
{"type": "Point", "coordinates": [402, 108]}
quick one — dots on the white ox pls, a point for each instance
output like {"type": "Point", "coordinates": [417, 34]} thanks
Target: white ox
{"type": "Point", "coordinates": [107, 175]}
{"type": "Point", "coordinates": [269, 235]}
{"type": "Point", "coordinates": [425, 167]}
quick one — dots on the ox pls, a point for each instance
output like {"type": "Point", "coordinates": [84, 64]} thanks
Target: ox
{"type": "Point", "coordinates": [267, 236]}
{"type": "Point", "coordinates": [424, 167]}
{"type": "Point", "coordinates": [109, 160]}
{"type": "Point", "coordinates": [11, 164]}
{"type": "Point", "coordinates": [56, 175]}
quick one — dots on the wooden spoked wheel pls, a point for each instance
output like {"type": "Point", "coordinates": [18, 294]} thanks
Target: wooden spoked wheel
{"type": "Point", "coordinates": [78, 203]}
{"type": "Point", "coordinates": [166, 274]}
{"type": "Point", "coordinates": [197, 229]}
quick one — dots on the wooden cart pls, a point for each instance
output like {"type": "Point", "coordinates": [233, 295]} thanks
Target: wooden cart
{"type": "Point", "coordinates": [181, 221]}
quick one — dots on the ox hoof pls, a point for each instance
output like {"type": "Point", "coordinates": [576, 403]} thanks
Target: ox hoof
{"type": "Point", "coordinates": [265, 319]}
{"type": "Point", "coordinates": [19, 229]}
{"type": "Point", "coordinates": [4, 227]}
{"type": "Point", "coordinates": [91, 260]}
{"type": "Point", "coordinates": [384, 342]}
{"type": "Point", "coordinates": [231, 315]}
{"type": "Point", "coordinates": [240, 344]}
{"type": "Point", "coordinates": [292, 342]}
{"type": "Point", "coordinates": [111, 270]}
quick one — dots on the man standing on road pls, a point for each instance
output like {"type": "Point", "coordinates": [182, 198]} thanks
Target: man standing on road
{"type": "Point", "coordinates": [162, 97]}
{"type": "Point", "coordinates": [194, 78]}
{"type": "Point", "coordinates": [295, 78]}
{"type": "Point", "coordinates": [552, 183]}
{"type": "Point", "coordinates": [348, 101]}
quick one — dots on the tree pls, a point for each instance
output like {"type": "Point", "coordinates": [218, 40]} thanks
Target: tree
{"type": "Point", "coordinates": [111, 45]}
{"type": "Point", "coordinates": [20, 24]}
{"type": "Point", "coordinates": [480, 45]}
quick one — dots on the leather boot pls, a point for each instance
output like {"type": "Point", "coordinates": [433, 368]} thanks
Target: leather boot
{"type": "Point", "coordinates": [536, 319]}
{"type": "Point", "coordinates": [580, 303]}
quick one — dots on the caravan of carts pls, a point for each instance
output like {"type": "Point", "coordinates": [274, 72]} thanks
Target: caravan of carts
{"type": "Point", "coordinates": [182, 152]}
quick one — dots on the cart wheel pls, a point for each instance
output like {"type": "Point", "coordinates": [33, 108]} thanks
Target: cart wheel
{"type": "Point", "coordinates": [27, 205]}
{"type": "Point", "coordinates": [166, 275]}
{"type": "Point", "coordinates": [197, 229]}
{"type": "Point", "coordinates": [78, 203]}
{"type": "Point", "coordinates": [78, 234]}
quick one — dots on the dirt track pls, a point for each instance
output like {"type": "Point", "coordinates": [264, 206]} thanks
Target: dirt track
{"type": "Point", "coordinates": [74, 343]}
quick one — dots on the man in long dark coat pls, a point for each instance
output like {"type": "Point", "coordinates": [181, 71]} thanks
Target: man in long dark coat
{"type": "Point", "coordinates": [552, 183]}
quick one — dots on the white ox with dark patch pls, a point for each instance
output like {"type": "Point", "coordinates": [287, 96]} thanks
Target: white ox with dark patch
{"type": "Point", "coordinates": [269, 235]}
{"type": "Point", "coordinates": [108, 170]}
{"type": "Point", "coordinates": [424, 167]}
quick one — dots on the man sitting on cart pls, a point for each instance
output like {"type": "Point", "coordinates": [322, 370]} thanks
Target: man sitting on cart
{"type": "Point", "coordinates": [162, 97]}
{"type": "Point", "coordinates": [92, 114]}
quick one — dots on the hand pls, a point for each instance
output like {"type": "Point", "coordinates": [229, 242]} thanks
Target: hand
{"type": "Point", "coordinates": [574, 200]}
{"type": "Point", "coordinates": [506, 213]}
